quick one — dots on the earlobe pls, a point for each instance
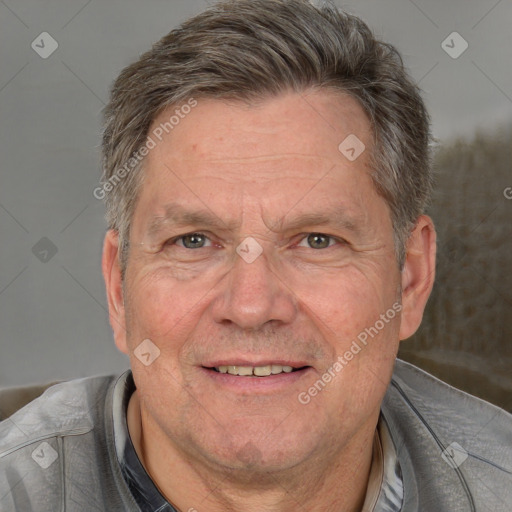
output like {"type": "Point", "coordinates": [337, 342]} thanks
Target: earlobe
{"type": "Point", "coordinates": [114, 286]}
{"type": "Point", "coordinates": [417, 275]}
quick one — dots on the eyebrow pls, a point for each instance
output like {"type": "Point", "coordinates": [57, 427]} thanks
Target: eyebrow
{"type": "Point", "coordinates": [179, 215]}
{"type": "Point", "coordinates": [338, 218]}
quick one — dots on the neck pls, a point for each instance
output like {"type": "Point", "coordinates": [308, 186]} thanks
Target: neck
{"type": "Point", "coordinates": [333, 483]}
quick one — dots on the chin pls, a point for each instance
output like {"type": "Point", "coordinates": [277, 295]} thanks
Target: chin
{"type": "Point", "coordinates": [254, 447]}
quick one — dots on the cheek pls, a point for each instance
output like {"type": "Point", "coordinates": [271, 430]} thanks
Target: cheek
{"type": "Point", "coordinates": [160, 307]}
{"type": "Point", "coordinates": [344, 302]}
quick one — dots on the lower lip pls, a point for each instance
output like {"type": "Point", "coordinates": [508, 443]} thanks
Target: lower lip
{"type": "Point", "coordinates": [254, 384]}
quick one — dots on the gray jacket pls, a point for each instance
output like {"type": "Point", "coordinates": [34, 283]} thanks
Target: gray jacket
{"type": "Point", "coordinates": [455, 451]}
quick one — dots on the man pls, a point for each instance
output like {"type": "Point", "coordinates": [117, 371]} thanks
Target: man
{"type": "Point", "coordinates": [266, 174]}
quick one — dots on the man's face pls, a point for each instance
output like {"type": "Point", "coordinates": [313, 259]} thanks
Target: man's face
{"type": "Point", "coordinates": [267, 178]}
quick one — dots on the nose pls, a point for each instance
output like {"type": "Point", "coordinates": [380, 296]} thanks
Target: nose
{"type": "Point", "coordinates": [254, 294]}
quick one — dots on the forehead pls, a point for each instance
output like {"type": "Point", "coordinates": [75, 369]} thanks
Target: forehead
{"type": "Point", "coordinates": [310, 126]}
{"type": "Point", "coordinates": [273, 149]}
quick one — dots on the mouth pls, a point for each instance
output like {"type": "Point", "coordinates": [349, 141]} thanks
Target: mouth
{"type": "Point", "coordinates": [264, 377]}
{"type": "Point", "coordinates": [256, 371]}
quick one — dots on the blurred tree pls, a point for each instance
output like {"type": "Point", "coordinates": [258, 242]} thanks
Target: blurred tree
{"type": "Point", "coordinates": [466, 334]}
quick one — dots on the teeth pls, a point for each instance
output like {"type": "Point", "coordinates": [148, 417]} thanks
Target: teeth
{"type": "Point", "coordinates": [262, 371]}
{"type": "Point", "coordinates": [258, 371]}
{"type": "Point", "coordinates": [242, 370]}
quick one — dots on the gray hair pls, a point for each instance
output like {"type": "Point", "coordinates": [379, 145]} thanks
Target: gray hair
{"type": "Point", "coordinates": [252, 49]}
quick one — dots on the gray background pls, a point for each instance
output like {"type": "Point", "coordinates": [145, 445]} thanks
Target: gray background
{"type": "Point", "coordinates": [53, 314]}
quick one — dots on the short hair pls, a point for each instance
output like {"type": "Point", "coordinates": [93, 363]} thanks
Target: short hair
{"type": "Point", "coordinates": [249, 50]}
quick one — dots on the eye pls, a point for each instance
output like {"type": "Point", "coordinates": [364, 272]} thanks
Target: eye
{"type": "Point", "coordinates": [317, 241]}
{"type": "Point", "coordinates": [193, 241]}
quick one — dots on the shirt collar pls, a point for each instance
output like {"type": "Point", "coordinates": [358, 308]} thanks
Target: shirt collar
{"type": "Point", "coordinates": [144, 491]}
{"type": "Point", "coordinates": [385, 491]}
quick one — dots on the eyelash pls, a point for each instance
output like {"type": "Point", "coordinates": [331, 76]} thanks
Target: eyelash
{"type": "Point", "coordinates": [331, 239]}
{"type": "Point", "coordinates": [304, 236]}
{"type": "Point", "coordinates": [173, 241]}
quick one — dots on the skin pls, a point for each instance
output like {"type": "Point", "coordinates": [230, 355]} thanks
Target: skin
{"type": "Point", "coordinates": [268, 171]}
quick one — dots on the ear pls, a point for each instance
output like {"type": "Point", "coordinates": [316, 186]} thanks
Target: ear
{"type": "Point", "coordinates": [417, 275]}
{"type": "Point", "coordinates": [114, 284]}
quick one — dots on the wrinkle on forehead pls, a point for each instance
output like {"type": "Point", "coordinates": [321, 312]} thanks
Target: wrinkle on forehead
{"type": "Point", "coordinates": [284, 200]}
{"type": "Point", "coordinates": [288, 123]}
{"type": "Point", "coordinates": [257, 158]}
{"type": "Point", "coordinates": [266, 168]}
